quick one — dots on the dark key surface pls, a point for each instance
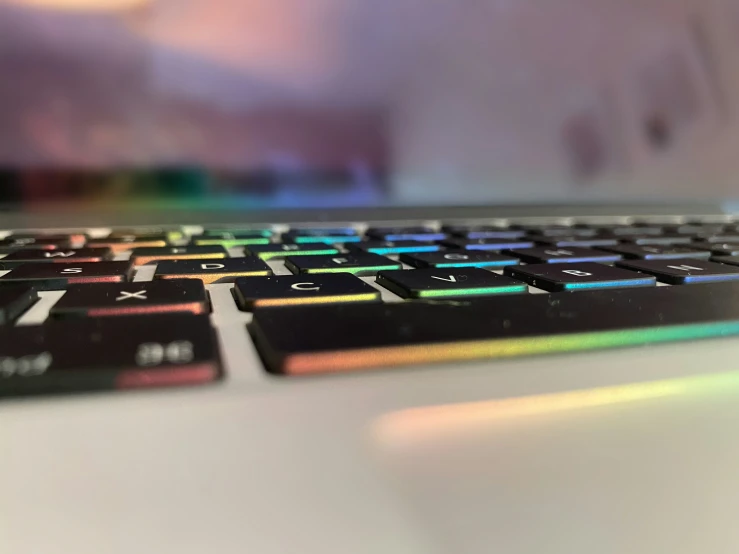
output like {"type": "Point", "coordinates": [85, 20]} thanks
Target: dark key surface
{"type": "Point", "coordinates": [405, 233]}
{"type": "Point", "coordinates": [14, 301]}
{"type": "Point", "coordinates": [695, 229]}
{"type": "Point", "coordinates": [719, 249]}
{"type": "Point", "coordinates": [213, 271]}
{"type": "Point", "coordinates": [229, 239]}
{"type": "Point", "coordinates": [562, 232]}
{"type": "Point", "coordinates": [44, 276]}
{"type": "Point", "coordinates": [142, 256]}
{"type": "Point", "coordinates": [273, 251]}
{"type": "Point", "coordinates": [656, 252]}
{"type": "Point", "coordinates": [448, 283]}
{"type": "Point", "coordinates": [90, 354]}
{"type": "Point", "coordinates": [20, 257]}
{"type": "Point", "coordinates": [572, 241]}
{"type": "Point", "coordinates": [658, 239]}
{"type": "Point", "coordinates": [684, 270]}
{"type": "Point", "coordinates": [356, 263]}
{"type": "Point", "coordinates": [294, 290]}
{"type": "Point", "coordinates": [321, 236]}
{"type": "Point", "coordinates": [139, 298]}
{"type": "Point", "coordinates": [128, 242]}
{"type": "Point", "coordinates": [643, 230]}
{"type": "Point", "coordinates": [392, 247]}
{"type": "Point", "coordinates": [42, 243]}
{"type": "Point", "coordinates": [731, 260]}
{"type": "Point", "coordinates": [578, 276]}
{"type": "Point", "coordinates": [722, 238]}
{"type": "Point", "coordinates": [385, 335]}
{"type": "Point", "coordinates": [488, 244]}
{"type": "Point", "coordinates": [229, 232]}
{"type": "Point", "coordinates": [573, 254]}
{"type": "Point", "coordinates": [482, 232]}
{"type": "Point", "coordinates": [457, 258]}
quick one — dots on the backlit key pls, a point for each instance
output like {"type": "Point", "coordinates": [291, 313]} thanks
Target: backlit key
{"type": "Point", "coordinates": [45, 276]}
{"type": "Point", "coordinates": [684, 270]}
{"type": "Point", "coordinates": [358, 264]}
{"type": "Point", "coordinates": [20, 257]}
{"type": "Point", "coordinates": [294, 290]}
{"type": "Point", "coordinates": [572, 254]}
{"type": "Point", "coordinates": [35, 243]}
{"type": "Point", "coordinates": [656, 252]}
{"type": "Point", "coordinates": [128, 242]}
{"type": "Point", "coordinates": [578, 276]}
{"type": "Point", "coordinates": [229, 239]}
{"type": "Point", "coordinates": [102, 353]}
{"type": "Point", "coordinates": [488, 244]}
{"type": "Point", "coordinates": [322, 236]}
{"type": "Point", "coordinates": [392, 247]}
{"type": "Point", "coordinates": [441, 283]}
{"type": "Point", "coordinates": [458, 258]}
{"type": "Point", "coordinates": [273, 251]}
{"type": "Point", "coordinates": [405, 233]}
{"type": "Point", "coordinates": [139, 298]}
{"type": "Point", "coordinates": [212, 271]}
{"type": "Point", "coordinates": [483, 232]}
{"type": "Point", "coordinates": [142, 256]}
{"type": "Point", "coordinates": [14, 300]}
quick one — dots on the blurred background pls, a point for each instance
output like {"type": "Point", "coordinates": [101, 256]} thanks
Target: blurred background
{"type": "Point", "coordinates": [363, 102]}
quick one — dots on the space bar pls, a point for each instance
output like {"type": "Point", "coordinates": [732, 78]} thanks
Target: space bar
{"type": "Point", "coordinates": [325, 339]}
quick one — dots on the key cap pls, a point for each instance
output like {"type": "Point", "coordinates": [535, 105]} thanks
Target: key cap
{"type": "Point", "coordinates": [482, 232]}
{"type": "Point", "coordinates": [91, 354]}
{"type": "Point", "coordinates": [147, 233]}
{"type": "Point", "coordinates": [538, 227]}
{"type": "Point", "coordinates": [457, 258]}
{"type": "Point", "coordinates": [634, 251]}
{"type": "Point", "coordinates": [578, 276]}
{"type": "Point", "coordinates": [235, 231]}
{"type": "Point", "coordinates": [395, 234]}
{"type": "Point", "coordinates": [695, 229]}
{"type": "Point", "coordinates": [358, 264]}
{"type": "Point", "coordinates": [128, 242]}
{"type": "Point", "coordinates": [488, 244]}
{"type": "Point", "coordinates": [392, 247]}
{"type": "Point", "coordinates": [321, 236]}
{"type": "Point", "coordinates": [573, 241]}
{"type": "Point", "coordinates": [731, 260]}
{"type": "Point", "coordinates": [723, 238]}
{"type": "Point", "coordinates": [45, 276]}
{"type": "Point", "coordinates": [14, 301]}
{"type": "Point", "coordinates": [273, 251]}
{"type": "Point", "coordinates": [388, 335]}
{"type": "Point", "coordinates": [20, 257]}
{"type": "Point", "coordinates": [229, 239]}
{"type": "Point", "coordinates": [293, 290]}
{"type": "Point", "coordinates": [562, 231]}
{"type": "Point", "coordinates": [683, 271]}
{"type": "Point", "coordinates": [637, 230]}
{"type": "Point", "coordinates": [658, 239]}
{"type": "Point", "coordinates": [76, 238]}
{"type": "Point", "coordinates": [143, 256]}
{"type": "Point", "coordinates": [719, 249]}
{"type": "Point", "coordinates": [35, 243]}
{"type": "Point", "coordinates": [209, 271]}
{"type": "Point", "coordinates": [546, 255]}
{"type": "Point", "coordinates": [139, 298]}
{"type": "Point", "coordinates": [448, 283]}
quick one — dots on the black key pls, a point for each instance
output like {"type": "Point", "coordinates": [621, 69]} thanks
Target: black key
{"type": "Point", "coordinates": [696, 229]}
{"type": "Point", "coordinates": [14, 300]}
{"type": "Point", "coordinates": [578, 276]}
{"type": "Point", "coordinates": [20, 257]}
{"type": "Point", "coordinates": [571, 241]}
{"type": "Point", "coordinates": [91, 354]}
{"type": "Point", "coordinates": [349, 338]}
{"type": "Point", "coordinates": [272, 251]}
{"type": "Point", "coordinates": [731, 260]}
{"type": "Point", "coordinates": [488, 244]}
{"type": "Point", "coordinates": [482, 232]}
{"type": "Point", "coordinates": [392, 247]}
{"type": "Point", "coordinates": [457, 258]}
{"type": "Point", "coordinates": [658, 239]}
{"type": "Point", "coordinates": [45, 276]}
{"type": "Point", "coordinates": [636, 230]}
{"type": "Point", "coordinates": [538, 227]}
{"type": "Point", "coordinates": [563, 232]}
{"type": "Point", "coordinates": [35, 243]}
{"type": "Point", "coordinates": [723, 238]}
{"type": "Point", "coordinates": [321, 236]}
{"type": "Point", "coordinates": [129, 242]}
{"type": "Point", "coordinates": [235, 231]}
{"type": "Point", "coordinates": [293, 290]}
{"type": "Point", "coordinates": [448, 283]}
{"type": "Point", "coordinates": [139, 298]}
{"type": "Point", "coordinates": [76, 237]}
{"type": "Point", "coordinates": [212, 271]}
{"type": "Point", "coordinates": [395, 234]}
{"type": "Point", "coordinates": [720, 249]}
{"type": "Point", "coordinates": [358, 264]}
{"type": "Point", "coordinates": [142, 256]}
{"type": "Point", "coordinates": [229, 239]}
{"type": "Point", "coordinates": [546, 255]}
{"type": "Point", "coordinates": [637, 252]}
{"type": "Point", "coordinates": [684, 270]}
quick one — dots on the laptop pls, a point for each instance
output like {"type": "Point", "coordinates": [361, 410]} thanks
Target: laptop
{"type": "Point", "coordinates": [368, 277]}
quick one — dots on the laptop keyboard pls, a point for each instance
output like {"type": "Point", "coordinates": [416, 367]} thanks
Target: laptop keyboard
{"type": "Point", "coordinates": [337, 299]}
